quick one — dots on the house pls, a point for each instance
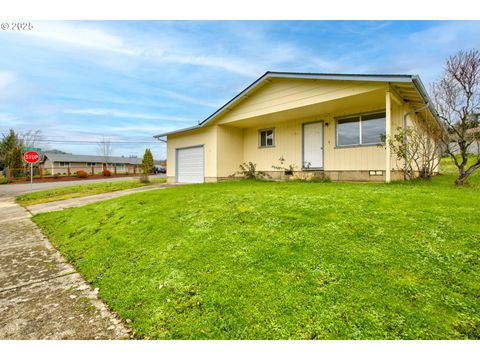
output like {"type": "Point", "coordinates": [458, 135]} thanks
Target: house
{"type": "Point", "coordinates": [472, 136]}
{"type": "Point", "coordinates": [55, 163]}
{"type": "Point", "coordinates": [325, 124]}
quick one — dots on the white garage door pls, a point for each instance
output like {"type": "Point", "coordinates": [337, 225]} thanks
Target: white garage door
{"type": "Point", "coordinates": [190, 165]}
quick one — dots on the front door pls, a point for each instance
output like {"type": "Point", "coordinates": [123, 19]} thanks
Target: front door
{"type": "Point", "coordinates": [313, 145]}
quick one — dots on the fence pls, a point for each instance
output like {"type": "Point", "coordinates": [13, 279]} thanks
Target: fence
{"type": "Point", "coordinates": [56, 172]}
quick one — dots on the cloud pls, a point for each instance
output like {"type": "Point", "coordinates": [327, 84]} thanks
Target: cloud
{"type": "Point", "coordinates": [179, 47]}
{"type": "Point", "coordinates": [8, 120]}
{"type": "Point", "coordinates": [188, 99]}
{"type": "Point", "coordinates": [125, 114]}
{"type": "Point", "coordinates": [6, 80]}
{"type": "Point", "coordinates": [81, 35]}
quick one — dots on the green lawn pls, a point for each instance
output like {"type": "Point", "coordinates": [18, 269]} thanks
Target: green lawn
{"type": "Point", "coordinates": [266, 260]}
{"type": "Point", "coordinates": [69, 192]}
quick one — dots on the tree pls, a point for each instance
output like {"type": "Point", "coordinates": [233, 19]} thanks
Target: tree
{"type": "Point", "coordinates": [8, 143]}
{"type": "Point", "coordinates": [147, 162]}
{"type": "Point", "coordinates": [9, 153]}
{"type": "Point", "coordinates": [14, 161]}
{"type": "Point", "coordinates": [419, 148]}
{"type": "Point", "coordinates": [457, 100]}
{"type": "Point", "coordinates": [105, 149]}
{"type": "Point", "coordinates": [32, 138]}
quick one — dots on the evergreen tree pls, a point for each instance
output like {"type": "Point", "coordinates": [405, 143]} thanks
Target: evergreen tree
{"type": "Point", "coordinates": [147, 162]}
{"type": "Point", "coordinates": [7, 144]}
{"type": "Point", "coordinates": [14, 161]}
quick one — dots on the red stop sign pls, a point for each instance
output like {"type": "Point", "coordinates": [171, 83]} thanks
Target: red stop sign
{"type": "Point", "coordinates": [31, 157]}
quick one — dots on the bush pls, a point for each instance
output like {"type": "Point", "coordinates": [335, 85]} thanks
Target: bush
{"type": "Point", "coordinates": [249, 171]}
{"type": "Point", "coordinates": [82, 174]}
{"type": "Point", "coordinates": [3, 180]}
{"type": "Point", "coordinates": [106, 172]}
{"type": "Point", "coordinates": [56, 176]}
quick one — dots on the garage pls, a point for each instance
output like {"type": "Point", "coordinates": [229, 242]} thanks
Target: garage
{"type": "Point", "coordinates": [190, 165]}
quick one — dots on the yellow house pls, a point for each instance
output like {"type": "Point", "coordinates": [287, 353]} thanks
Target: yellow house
{"type": "Point", "coordinates": [322, 124]}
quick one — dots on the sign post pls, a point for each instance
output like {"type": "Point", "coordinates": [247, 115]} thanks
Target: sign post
{"type": "Point", "coordinates": [31, 156]}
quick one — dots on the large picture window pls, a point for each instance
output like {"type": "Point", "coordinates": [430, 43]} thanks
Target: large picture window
{"type": "Point", "coordinates": [266, 138]}
{"type": "Point", "coordinates": [365, 129]}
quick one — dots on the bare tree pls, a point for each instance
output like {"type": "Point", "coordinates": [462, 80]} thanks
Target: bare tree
{"type": "Point", "coordinates": [104, 149]}
{"type": "Point", "coordinates": [32, 138]}
{"type": "Point", "coordinates": [457, 100]}
{"type": "Point", "coordinates": [418, 148]}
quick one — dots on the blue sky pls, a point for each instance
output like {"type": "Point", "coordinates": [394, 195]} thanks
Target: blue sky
{"type": "Point", "coordinates": [129, 80]}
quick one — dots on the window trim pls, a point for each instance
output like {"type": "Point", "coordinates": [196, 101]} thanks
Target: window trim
{"type": "Point", "coordinates": [359, 115]}
{"type": "Point", "coordinates": [260, 138]}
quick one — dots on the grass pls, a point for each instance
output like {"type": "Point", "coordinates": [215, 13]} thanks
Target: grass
{"type": "Point", "coordinates": [449, 167]}
{"type": "Point", "coordinates": [69, 192]}
{"type": "Point", "coordinates": [296, 260]}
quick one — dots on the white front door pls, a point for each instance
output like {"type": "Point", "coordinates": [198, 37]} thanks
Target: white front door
{"type": "Point", "coordinates": [190, 165]}
{"type": "Point", "coordinates": [313, 145]}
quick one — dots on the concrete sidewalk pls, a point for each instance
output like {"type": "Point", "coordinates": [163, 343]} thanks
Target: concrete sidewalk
{"type": "Point", "coordinates": [81, 201]}
{"type": "Point", "coordinates": [19, 189]}
{"type": "Point", "coordinates": [41, 295]}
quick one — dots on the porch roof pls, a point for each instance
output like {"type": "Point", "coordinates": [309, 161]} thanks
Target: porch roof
{"type": "Point", "coordinates": [409, 87]}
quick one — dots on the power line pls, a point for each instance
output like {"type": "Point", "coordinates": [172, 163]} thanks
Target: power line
{"type": "Point", "coordinates": [88, 142]}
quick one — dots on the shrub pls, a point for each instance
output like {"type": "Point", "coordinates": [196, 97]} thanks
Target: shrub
{"type": "Point", "coordinates": [249, 171]}
{"type": "Point", "coordinates": [310, 177]}
{"type": "Point", "coordinates": [3, 180]}
{"type": "Point", "coordinates": [286, 170]}
{"type": "Point", "coordinates": [82, 174]}
{"type": "Point", "coordinates": [56, 176]}
{"type": "Point", "coordinates": [46, 173]}
{"type": "Point", "coordinates": [106, 172]}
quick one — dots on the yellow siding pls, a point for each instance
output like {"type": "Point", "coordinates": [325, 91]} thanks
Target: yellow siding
{"type": "Point", "coordinates": [230, 150]}
{"type": "Point", "coordinates": [288, 137]}
{"type": "Point", "coordinates": [288, 144]}
{"type": "Point", "coordinates": [285, 105]}
{"type": "Point", "coordinates": [206, 136]}
{"type": "Point", "coordinates": [287, 94]}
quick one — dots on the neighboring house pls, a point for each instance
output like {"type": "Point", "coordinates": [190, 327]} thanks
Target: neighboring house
{"type": "Point", "coordinates": [63, 163]}
{"type": "Point", "coordinates": [329, 124]}
{"type": "Point", "coordinates": [473, 135]}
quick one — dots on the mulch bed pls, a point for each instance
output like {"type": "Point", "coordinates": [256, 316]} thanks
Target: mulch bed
{"type": "Point", "coordinates": [68, 178]}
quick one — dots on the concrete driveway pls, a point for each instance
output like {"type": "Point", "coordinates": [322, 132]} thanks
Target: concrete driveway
{"type": "Point", "coordinates": [18, 189]}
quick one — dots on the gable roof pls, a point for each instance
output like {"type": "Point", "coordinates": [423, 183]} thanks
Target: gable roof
{"type": "Point", "coordinates": [390, 78]}
{"type": "Point", "coordinates": [93, 158]}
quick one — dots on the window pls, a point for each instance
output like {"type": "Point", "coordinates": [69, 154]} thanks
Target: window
{"type": "Point", "coordinates": [64, 164]}
{"type": "Point", "coordinates": [348, 131]}
{"type": "Point", "coordinates": [266, 138]}
{"type": "Point", "coordinates": [91, 164]}
{"type": "Point", "coordinates": [365, 129]}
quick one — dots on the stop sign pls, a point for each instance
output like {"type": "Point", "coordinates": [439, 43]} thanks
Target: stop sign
{"type": "Point", "coordinates": [31, 157]}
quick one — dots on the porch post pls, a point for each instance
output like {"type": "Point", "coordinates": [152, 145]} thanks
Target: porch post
{"type": "Point", "coordinates": [388, 118]}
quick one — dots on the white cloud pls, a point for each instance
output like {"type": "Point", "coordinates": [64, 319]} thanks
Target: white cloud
{"type": "Point", "coordinates": [189, 99]}
{"type": "Point", "coordinates": [82, 35]}
{"type": "Point", "coordinates": [125, 114]}
{"type": "Point", "coordinates": [8, 120]}
{"type": "Point", "coordinates": [178, 47]}
{"type": "Point", "coordinates": [7, 79]}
